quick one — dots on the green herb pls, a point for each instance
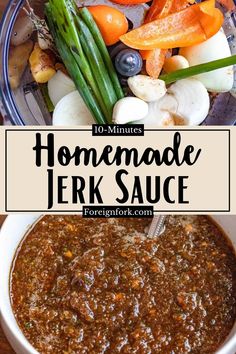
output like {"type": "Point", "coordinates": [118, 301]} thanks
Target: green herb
{"type": "Point", "coordinates": [198, 69]}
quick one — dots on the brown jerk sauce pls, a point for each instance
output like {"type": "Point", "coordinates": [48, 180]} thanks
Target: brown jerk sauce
{"type": "Point", "coordinates": [93, 286]}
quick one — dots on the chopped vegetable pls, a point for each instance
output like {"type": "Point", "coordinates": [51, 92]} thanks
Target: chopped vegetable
{"type": "Point", "coordinates": [198, 69]}
{"type": "Point", "coordinates": [158, 9]}
{"type": "Point", "coordinates": [147, 88]}
{"type": "Point", "coordinates": [59, 86]}
{"type": "Point", "coordinates": [41, 65]}
{"type": "Point", "coordinates": [216, 47]}
{"type": "Point", "coordinates": [128, 62]}
{"type": "Point", "coordinates": [192, 99]}
{"type": "Point", "coordinates": [162, 8]}
{"type": "Point", "coordinates": [176, 62]}
{"type": "Point", "coordinates": [155, 61]}
{"type": "Point", "coordinates": [18, 59]}
{"type": "Point", "coordinates": [190, 26]}
{"type": "Point", "coordinates": [185, 103]}
{"type": "Point", "coordinates": [155, 58]}
{"type": "Point", "coordinates": [68, 254]}
{"type": "Point", "coordinates": [111, 22]}
{"type": "Point", "coordinates": [161, 112]}
{"type": "Point", "coordinates": [71, 110]}
{"type": "Point", "coordinates": [128, 109]}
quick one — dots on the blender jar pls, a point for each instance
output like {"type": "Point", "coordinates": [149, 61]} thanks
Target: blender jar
{"type": "Point", "coordinates": [25, 105]}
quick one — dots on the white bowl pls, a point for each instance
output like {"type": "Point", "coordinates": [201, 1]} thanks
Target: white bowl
{"type": "Point", "coordinates": [12, 232]}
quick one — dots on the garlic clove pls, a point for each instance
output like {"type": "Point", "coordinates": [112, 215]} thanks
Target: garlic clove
{"type": "Point", "coordinates": [129, 109]}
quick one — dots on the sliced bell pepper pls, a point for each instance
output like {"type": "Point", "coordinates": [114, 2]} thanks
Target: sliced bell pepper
{"type": "Point", "coordinates": [129, 2]}
{"type": "Point", "coordinates": [158, 9]}
{"type": "Point", "coordinates": [155, 58]}
{"type": "Point", "coordinates": [162, 8]}
{"type": "Point", "coordinates": [179, 5]}
{"type": "Point", "coordinates": [190, 26]}
{"type": "Point", "coordinates": [155, 62]}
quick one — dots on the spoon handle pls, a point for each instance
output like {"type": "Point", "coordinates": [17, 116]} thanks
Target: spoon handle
{"type": "Point", "coordinates": [157, 226]}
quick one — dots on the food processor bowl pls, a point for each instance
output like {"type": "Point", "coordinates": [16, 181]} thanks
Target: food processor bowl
{"type": "Point", "coordinates": [25, 105]}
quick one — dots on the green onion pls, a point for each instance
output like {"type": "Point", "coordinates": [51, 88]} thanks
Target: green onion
{"type": "Point", "coordinates": [82, 48]}
{"type": "Point", "coordinates": [198, 69]}
{"type": "Point", "coordinates": [88, 19]}
{"type": "Point", "coordinates": [97, 66]}
{"type": "Point", "coordinates": [63, 16]}
{"type": "Point", "coordinates": [74, 69]}
{"type": "Point", "coordinates": [64, 23]}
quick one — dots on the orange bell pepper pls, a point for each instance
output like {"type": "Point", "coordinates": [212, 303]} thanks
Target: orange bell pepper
{"type": "Point", "coordinates": [155, 62]}
{"type": "Point", "coordinates": [187, 27]}
{"type": "Point", "coordinates": [162, 8]}
{"type": "Point", "coordinates": [155, 58]}
{"type": "Point", "coordinates": [129, 2]}
{"type": "Point", "coordinates": [158, 9]}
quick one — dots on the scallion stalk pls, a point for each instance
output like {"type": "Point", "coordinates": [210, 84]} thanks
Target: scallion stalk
{"type": "Point", "coordinates": [74, 69]}
{"type": "Point", "coordinates": [198, 69]}
{"type": "Point", "coordinates": [88, 19]}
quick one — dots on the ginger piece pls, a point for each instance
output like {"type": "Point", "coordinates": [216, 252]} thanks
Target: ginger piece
{"type": "Point", "coordinates": [42, 65]}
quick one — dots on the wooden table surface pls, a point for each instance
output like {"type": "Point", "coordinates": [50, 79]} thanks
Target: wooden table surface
{"type": "Point", "coordinates": [5, 347]}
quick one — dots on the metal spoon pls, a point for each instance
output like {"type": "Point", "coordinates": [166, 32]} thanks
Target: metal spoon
{"type": "Point", "coordinates": [157, 226]}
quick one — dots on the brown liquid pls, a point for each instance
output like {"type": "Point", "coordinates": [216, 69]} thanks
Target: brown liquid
{"type": "Point", "coordinates": [100, 286]}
